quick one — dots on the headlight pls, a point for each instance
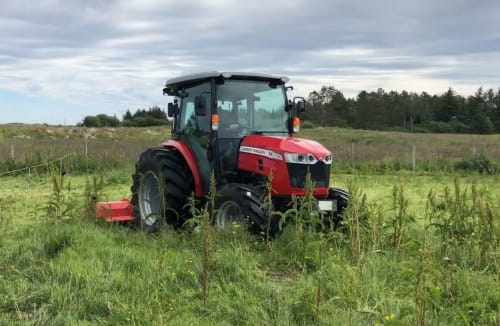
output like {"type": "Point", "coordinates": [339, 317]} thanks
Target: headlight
{"type": "Point", "coordinates": [328, 159]}
{"type": "Point", "coordinates": [300, 158]}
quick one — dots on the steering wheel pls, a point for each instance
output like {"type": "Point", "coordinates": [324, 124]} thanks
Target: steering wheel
{"type": "Point", "coordinates": [243, 131]}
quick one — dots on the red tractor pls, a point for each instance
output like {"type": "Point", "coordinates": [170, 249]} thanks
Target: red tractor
{"type": "Point", "coordinates": [237, 127]}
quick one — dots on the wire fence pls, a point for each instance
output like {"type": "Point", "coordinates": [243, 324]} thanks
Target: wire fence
{"type": "Point", "coordinates": [413, 154]}
{"type": "Point", "coordinates": [95, 148]}
{"type": "Point", "coordinates": [59, 160]}
{"type": "Point", "coordinates": [28, 155]}
{"type": "Point", "coordinates": [31, 154]}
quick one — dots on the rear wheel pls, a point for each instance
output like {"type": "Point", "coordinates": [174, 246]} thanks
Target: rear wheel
{"type": "Point", "coordinates": [161, 185]}
{"type": "Point", "coordinates": [236, 203]}
{"type": "Point", "coordinates": [149, 199]}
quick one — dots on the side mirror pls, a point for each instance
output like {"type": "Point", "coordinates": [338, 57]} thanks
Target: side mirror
{"type": "Point", "coordinates": [301, 107]}
{"type": "Point", "coordinates": [299, 104]}
{"type": "Point", "coordinates": [173, 108]}
{"type": "Point", "coordinates": [202, 104]}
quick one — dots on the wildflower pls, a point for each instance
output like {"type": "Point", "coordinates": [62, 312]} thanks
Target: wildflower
{"type": "Point", "coordinates": [389, 317]}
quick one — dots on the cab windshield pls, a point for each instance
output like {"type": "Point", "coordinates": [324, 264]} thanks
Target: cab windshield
{"type": "Point", "coordinates": [250, 107]}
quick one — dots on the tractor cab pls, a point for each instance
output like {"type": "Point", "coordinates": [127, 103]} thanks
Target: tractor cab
{"type": "Point", "coordinates": [214, 111]}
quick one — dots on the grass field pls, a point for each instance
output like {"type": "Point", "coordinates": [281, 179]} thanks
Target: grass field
{"type": "Point", "coordinates": [420, 248]}
{"type": "Point", "coordinates": [61, 269]}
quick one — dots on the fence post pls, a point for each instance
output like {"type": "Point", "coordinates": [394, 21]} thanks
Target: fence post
{"type": "Point", "coordinates": [12, 151]}
{"type": "Point", "coordinates": [86, 149]}
{"type": "Point", "coordinates": [86, 154]}
{"type": "Point", "coordinates": [352, 153]}
{"type": "Point", "coordinates": [474, 151]}
{"type": "Point", "coordinates": [413, 165]}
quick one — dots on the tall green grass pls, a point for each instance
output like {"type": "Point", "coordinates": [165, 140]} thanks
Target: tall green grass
{"type": "Point", "coordinates": [399, 259]}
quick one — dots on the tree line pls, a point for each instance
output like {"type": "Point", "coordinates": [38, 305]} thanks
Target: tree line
{"type": "Point", "coordinates": [153, 116]}
{"type": "Point", "coordinates": [406, 111]}
{"type": "Point", "coordinates": [380, 110]}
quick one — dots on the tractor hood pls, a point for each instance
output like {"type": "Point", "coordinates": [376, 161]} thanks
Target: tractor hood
{"type": "Point", "coordinates": [276, 147]}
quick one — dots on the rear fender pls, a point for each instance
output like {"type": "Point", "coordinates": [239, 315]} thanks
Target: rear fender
{"type": "Point", "coordinates": [190, 159]}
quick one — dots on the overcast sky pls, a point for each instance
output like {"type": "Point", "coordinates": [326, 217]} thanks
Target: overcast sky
{"type": "Point", "coordinates": [62, 60]}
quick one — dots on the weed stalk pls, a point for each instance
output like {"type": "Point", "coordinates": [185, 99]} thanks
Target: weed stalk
{"type": "Point", "coordinates": [354, 216]}
{"type": "Point", "coordinates": [268, 206]}
{"type": "Point", "coordinates": [401, 217]}
{"type": "Point", "coordinates": [92, 194]}
{"type": "Point", "coordinates": [59, 206]}
{"type": "Point", "coordinates": [206, 222]}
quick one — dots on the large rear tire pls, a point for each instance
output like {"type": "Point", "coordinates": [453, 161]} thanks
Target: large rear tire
{"type": "Point", "coordinates": [162, 183]}
{"type": "Point", "coordinates": [237, 203]}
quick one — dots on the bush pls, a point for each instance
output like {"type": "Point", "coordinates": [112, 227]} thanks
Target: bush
{"type": "Point", "coordinates": [91, 121]}
{"type": "Point", "coordinates": [342, 123]}
{"type": "Point", "coordinates": [483, 125]}
{"type": "Point", "coordinates": [144, 122]}
{"type": "Point", "coordinates": [128, 123]}
{"type": "Point", "coordinates": [454, 126]}
{"type": "Point", "coordinates": [307, 125]}
{"type": "Point", "coordinates": [101, 120]}
{"type": "Point", "coordinates": [479, 163]}
{"type": "Point", "coordinates": [108, 121]}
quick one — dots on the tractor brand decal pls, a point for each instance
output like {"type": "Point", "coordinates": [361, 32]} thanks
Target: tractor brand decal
{"type": "Point", "coordinates": [261, 152]}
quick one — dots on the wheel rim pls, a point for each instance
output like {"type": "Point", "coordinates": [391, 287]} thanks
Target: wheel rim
{"type": "Point", "coordinates": [227, 214]}
{"type": "Point", "coordinates": [150, 199]}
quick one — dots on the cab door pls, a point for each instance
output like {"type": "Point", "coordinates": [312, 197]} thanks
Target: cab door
{"type": "Point", "coordinates": [195, 131]}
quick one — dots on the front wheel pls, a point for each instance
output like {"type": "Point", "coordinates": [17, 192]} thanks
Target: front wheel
{"type": "Point", "coordinates": [341, 198]}
{"type": "Point", "coordinates": [161, 185]}
{"type": "Point", "coordinates": [228, 213]}
{"type": "Point", "coordinates": [243, 204]}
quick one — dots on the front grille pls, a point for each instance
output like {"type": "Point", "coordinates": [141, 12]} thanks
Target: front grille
{"type": "Point", "coordinates": [320, 174]}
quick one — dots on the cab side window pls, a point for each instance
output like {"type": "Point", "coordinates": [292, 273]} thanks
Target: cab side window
{"type": "Point", "coordinates": [188, 121]}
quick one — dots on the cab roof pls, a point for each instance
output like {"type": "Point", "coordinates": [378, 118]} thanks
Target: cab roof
{"type": "Point", "coordinates": [174, 84]}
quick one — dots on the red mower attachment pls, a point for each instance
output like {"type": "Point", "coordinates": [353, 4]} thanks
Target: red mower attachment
{"type": "Point", "coordinates": [116, 211]}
